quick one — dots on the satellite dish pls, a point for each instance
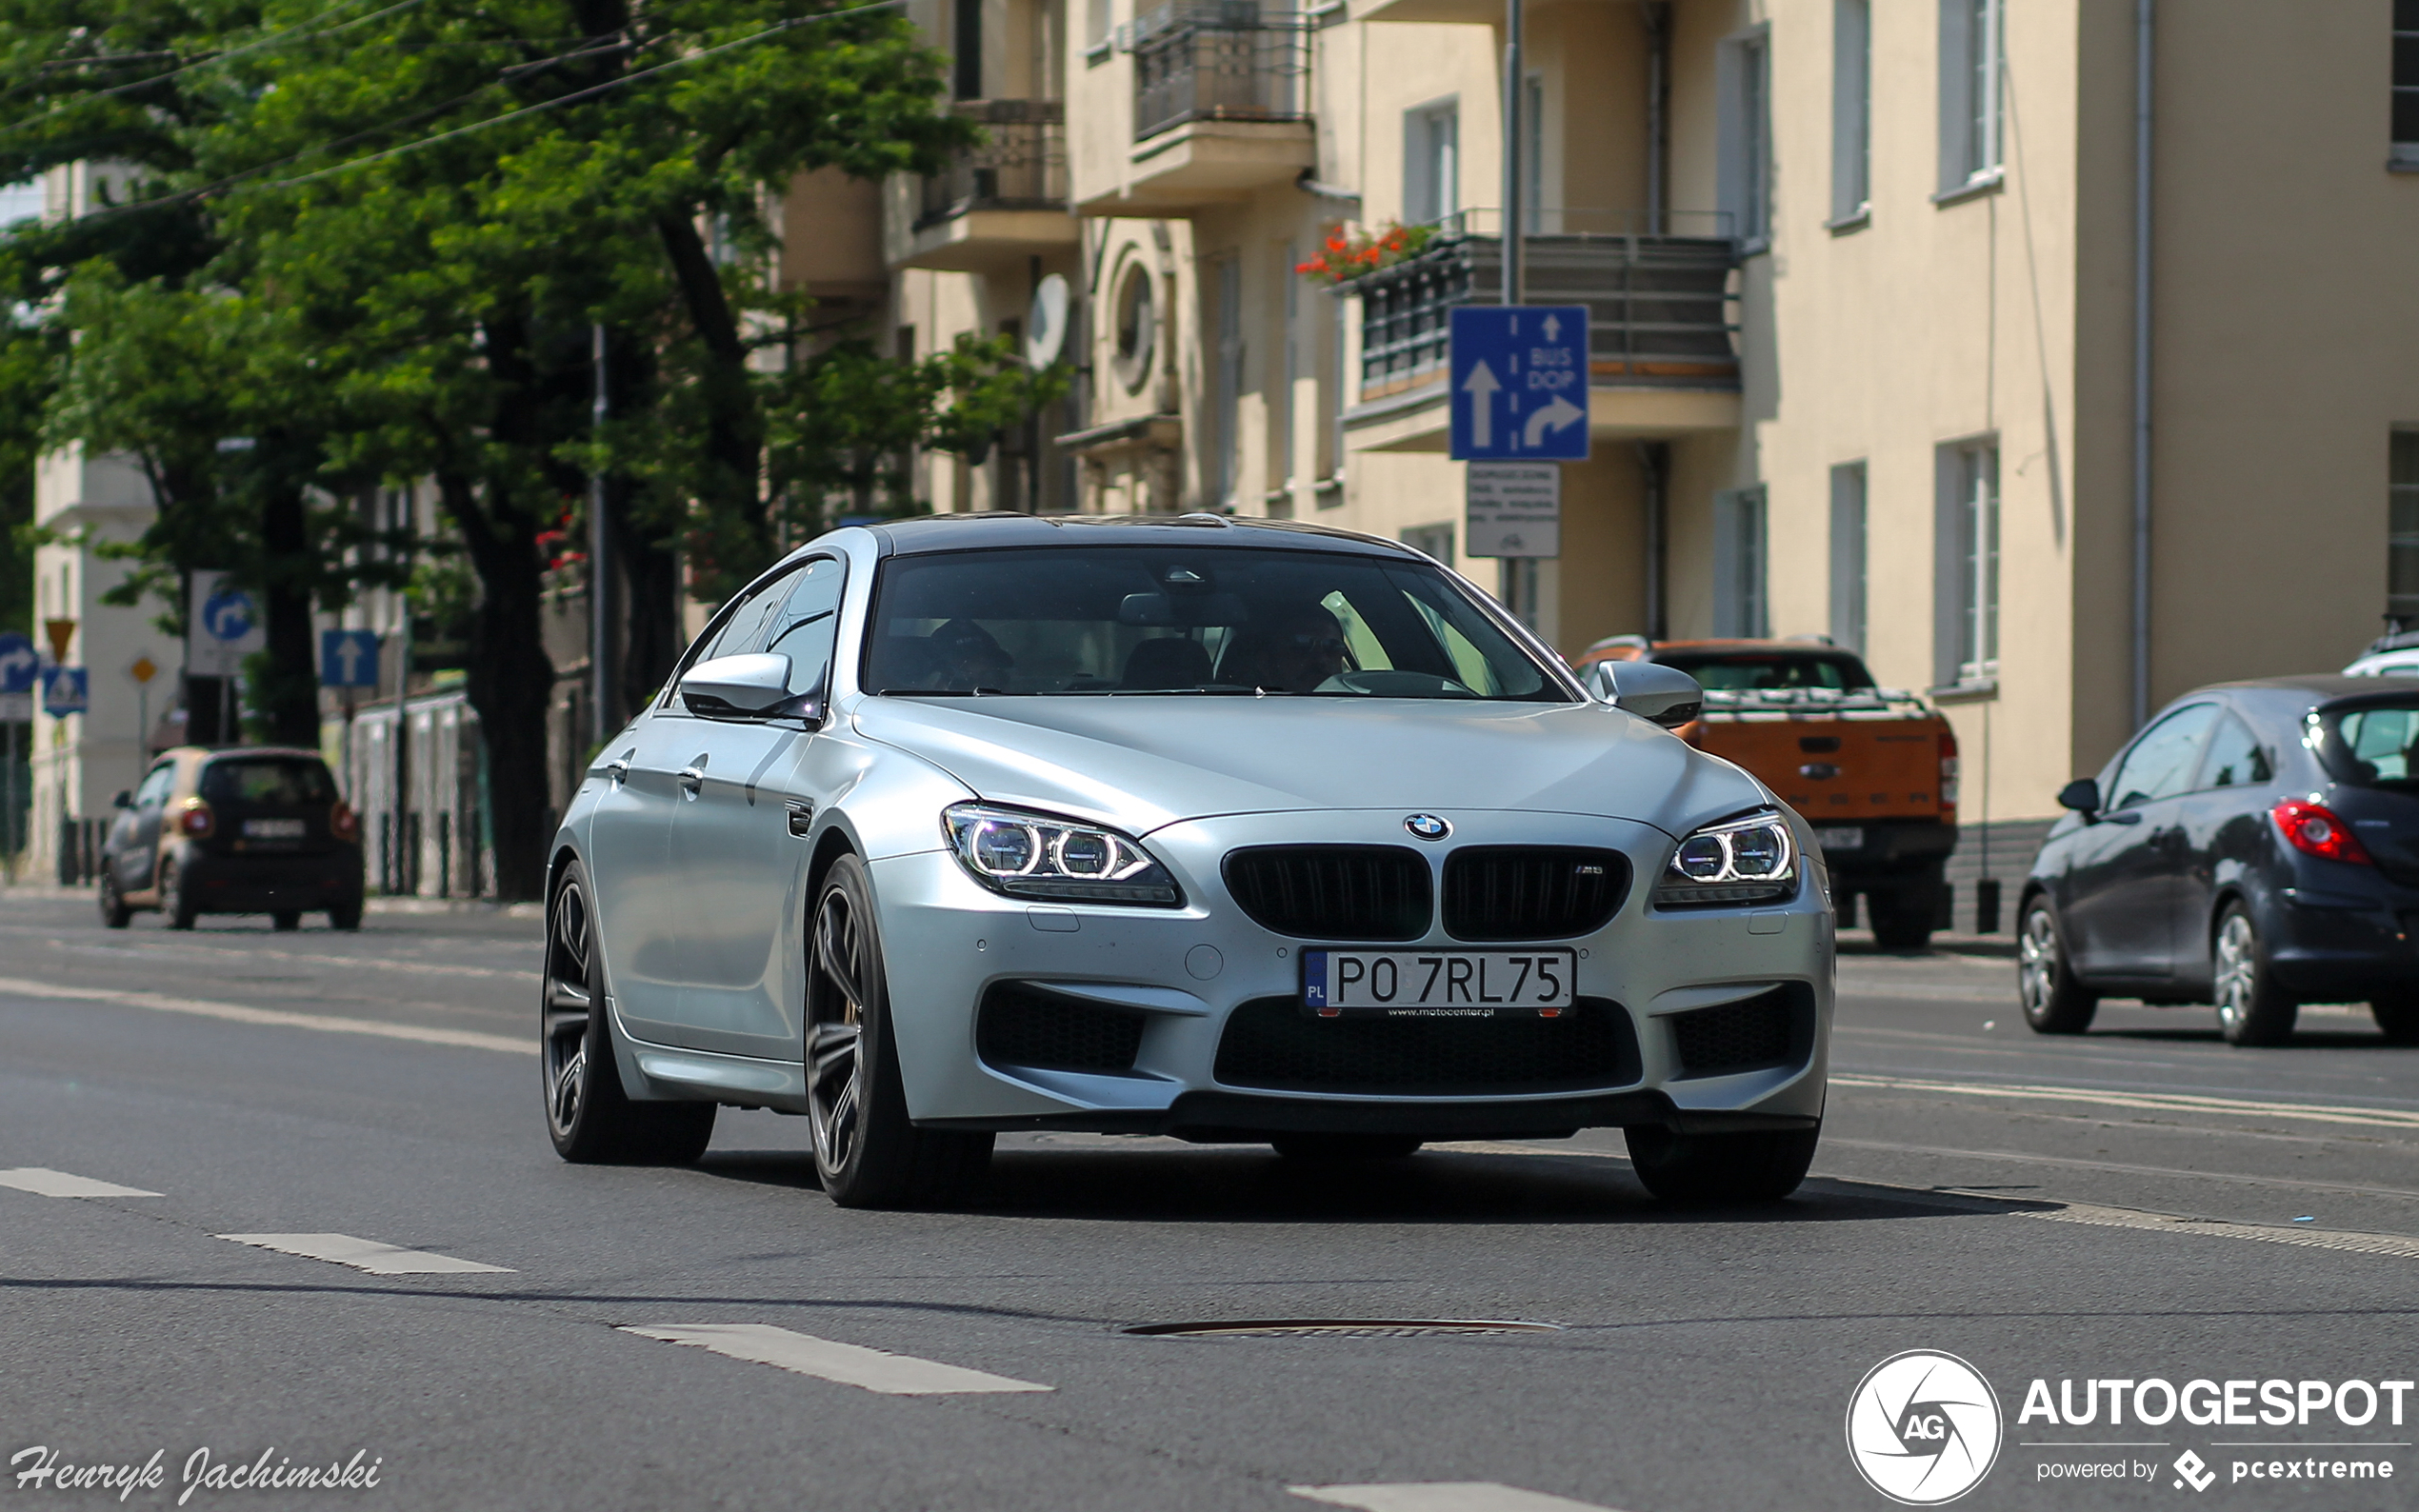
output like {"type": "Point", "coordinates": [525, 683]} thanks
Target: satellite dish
{"type": "Point", "coordinates": [1046, 324]}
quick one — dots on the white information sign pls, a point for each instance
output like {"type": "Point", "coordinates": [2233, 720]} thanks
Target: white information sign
{"type": "Point", "coordinates": [224, 625]}
{"type": "Point", "coordinates": [1515, 509]}
{"type": "Point", "coordinates": [16, 709]}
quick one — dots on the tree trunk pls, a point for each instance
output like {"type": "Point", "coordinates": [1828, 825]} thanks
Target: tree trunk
{"type": "Point", "coordinates": [288, 697]}
{"type": "Point", "coordinates": [510, 682]}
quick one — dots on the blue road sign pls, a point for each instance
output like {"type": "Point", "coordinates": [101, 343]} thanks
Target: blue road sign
{"type": "Point", "coordinates": [229, 615]}
{"type": "Point", "coordinates": [18, 661]}
{"type": "Point", "coordinates": [1519, 383]}
{"type": "Point", "coordinates": [349, 658]}
{"type": "Point", "coordinates": [65, 691]}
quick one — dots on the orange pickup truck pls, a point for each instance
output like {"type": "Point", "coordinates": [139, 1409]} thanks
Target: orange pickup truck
{"type": "Point", "coordinates": [1874, 771]}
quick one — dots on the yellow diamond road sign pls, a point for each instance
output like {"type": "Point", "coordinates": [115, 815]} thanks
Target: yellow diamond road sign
{"type": "Point", "coordinates": [143, 669]}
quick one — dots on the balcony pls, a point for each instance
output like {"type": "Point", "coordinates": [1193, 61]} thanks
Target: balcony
{"type": "Point", "coordinates": [1220, 107]}
{"type": "Point", "coordinates": [1663, 347]}
{"type": "Point", "coordinates": [1000, 202]}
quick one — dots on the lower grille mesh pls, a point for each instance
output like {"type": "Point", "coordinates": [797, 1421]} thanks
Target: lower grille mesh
{"type": "Point", "coordinates": [1531, 892]}
{"type": "Point", "coordinates": [1025, 1026]}
{"type": "Point", "coordinates": [1270, 1043]}
{"type": "Point", "coordinates": [1774, 1028]}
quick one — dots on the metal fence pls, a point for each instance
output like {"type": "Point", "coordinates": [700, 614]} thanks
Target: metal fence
{"type": "Point", "coordinates": [1221, 61]}
{"type": "Point", "coordinates": [1020, 165]}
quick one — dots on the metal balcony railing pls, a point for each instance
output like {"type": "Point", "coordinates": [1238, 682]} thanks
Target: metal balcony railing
{"type": "Point", "coordinates": [1021, 164]}
{"type": "Point", "coordinates": [1659, 307]}
{"type": "Point", "coordinates": [1218, 60]}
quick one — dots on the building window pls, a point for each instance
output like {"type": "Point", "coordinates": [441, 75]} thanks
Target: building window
{"type": "Point", "coordinates": [1520, 591]}
{"type": "Point", "coordinates": [1848, 555]}
{"type": "Point", "coordinates": [2406, 120]}
{"type": "Point", "coordinates": [1436, 540]}
{"type": "Point", "coordinates": [965, 75]}
{"type": "Point", "coordinates": [1852, 110]}
{"type": "Point", "coordinates": [1738, 563]}
{"type": "Point", "coordinates": [1744, 87]}
{"type": "Point", "coordinates": [1968, 556]}
{"type": "Point", "coordinates": [2402, 526]}
{"type": "Point", "coordinates": [1973, 68]}
{"type": "Point", "coordinates": [1097, 23]}
{"type": "Point", "coordinates": [1432, 162]}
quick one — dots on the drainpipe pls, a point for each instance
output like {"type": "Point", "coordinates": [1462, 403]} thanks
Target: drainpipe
{"type": "Point", "coordinates": [1515, 214]}
{"type": "Point", "coordinates": [1656, 15]}
{"type": "Point", "coordinates": [2141, 702]}
{"type": "Point", "coordinates": [1654, 469]}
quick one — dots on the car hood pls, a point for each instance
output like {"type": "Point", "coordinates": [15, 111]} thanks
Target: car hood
{"type": "Point", "coordinates": [1140, 763]}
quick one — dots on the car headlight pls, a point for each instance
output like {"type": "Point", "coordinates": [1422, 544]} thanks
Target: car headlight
{"type": "Point", "coordinates": [1750, 860]}
{"type": "Point", "coordinates": [1036, 856]}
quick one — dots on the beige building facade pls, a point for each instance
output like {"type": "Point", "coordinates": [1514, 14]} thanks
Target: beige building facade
{"type": "Point", "coordinates": [1869, 298]}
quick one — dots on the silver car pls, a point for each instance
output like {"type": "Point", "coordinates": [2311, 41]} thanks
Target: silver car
{"type": "Point", "coordinates": [1234, 831]}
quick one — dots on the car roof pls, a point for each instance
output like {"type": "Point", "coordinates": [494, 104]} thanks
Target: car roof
{"type": "Point", "coordinates": [963, 532]}
{"type": "Point", "coordinates": [211, 753]}
{"type": "Point", "coordinates": [2310, 689]}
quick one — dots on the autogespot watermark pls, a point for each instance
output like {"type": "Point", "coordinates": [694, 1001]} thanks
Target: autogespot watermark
{"type": "Point", "coordinates": [40, 1467]}
{"type": "Point", "coordinates": [1924, 1428]}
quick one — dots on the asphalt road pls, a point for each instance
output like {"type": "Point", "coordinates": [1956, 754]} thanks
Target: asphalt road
{"type": "Point", "coordinates": [2140, 1203]}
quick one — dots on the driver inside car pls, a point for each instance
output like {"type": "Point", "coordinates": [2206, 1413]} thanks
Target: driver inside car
{"type": "Point", "coordinates": [1299, 648]}
{"type": "Point", "coordinates": [970, 660]}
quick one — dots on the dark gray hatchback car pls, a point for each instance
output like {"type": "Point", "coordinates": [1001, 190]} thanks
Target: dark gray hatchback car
{"type": "Point", "coordinates": [2255, 847]}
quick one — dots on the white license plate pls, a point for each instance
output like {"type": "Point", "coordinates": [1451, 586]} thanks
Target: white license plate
{"type": "Point", "coordinates": [272, 829]}
{"type": "Point", "coordinates": [1438, 983]}
{"type": "Point", "coordinates": [1839, 837]}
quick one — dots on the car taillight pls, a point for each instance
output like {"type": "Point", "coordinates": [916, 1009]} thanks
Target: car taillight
{"type": "Point", "coordinates": [196, 819]}
{"type": "Point", "coordinates": [1947, 774]}
{"type": "Point", "coordinates": [2314, 829]}
{"type": "Point", "coordinates": [343, 822]}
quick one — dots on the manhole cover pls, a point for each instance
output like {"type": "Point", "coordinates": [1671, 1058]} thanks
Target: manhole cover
{"type": "Point", "coordinates": [1341, 1327]}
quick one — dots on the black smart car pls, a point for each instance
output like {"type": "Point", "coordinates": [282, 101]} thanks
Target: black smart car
{"type": "Point", "coordinates": [257, 831]}
{"type": "Point", "coordinates": [2257, 847]}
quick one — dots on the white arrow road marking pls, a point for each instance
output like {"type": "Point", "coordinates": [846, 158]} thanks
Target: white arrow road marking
{"type": "Point", "coordinates": [1442, 1496]}
{"type": "Point", "coordinates": [1482, 388]}
{"type": "Point", "coordinates": [46, 1182]}
{"type": "Point", "coordinates": [848, 1364]}
{"type": "Point", "coordinates": [1554, 417]}
{"type": "Point", "coordinates": [239, 1013]}
{"type": "Point", "coordinates": [365, 1254]}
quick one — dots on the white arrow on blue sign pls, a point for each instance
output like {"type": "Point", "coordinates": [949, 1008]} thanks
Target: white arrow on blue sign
{"type": "Point", "coordinates": [349, 658]}
{"type": "Point", "coordinates": [18, 662]}
{"type": "Point", "coordinates": [65, 690]}
{"type": "Point", "coordinates": [1518, 383]}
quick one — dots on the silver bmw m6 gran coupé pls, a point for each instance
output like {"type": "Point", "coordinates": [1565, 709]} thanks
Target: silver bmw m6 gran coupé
{"type": "Point", "coordinates": [1228, 830]}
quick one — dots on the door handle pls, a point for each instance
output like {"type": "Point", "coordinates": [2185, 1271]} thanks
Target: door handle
{"type": "Point", "coordinates": [693, 777]}
{"type": "Point", "coordinates": [617, 771]}
{"type": "Point", "coordinates": [801, 816]}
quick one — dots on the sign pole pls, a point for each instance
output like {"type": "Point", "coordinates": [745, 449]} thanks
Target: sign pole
{"type": "Point", "coordinates": [1515, 184]}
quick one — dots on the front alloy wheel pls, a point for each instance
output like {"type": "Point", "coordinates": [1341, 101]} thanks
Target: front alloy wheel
{"type": "Point", "coordinates": [587, 1115]}
{"type": "Point", "coordinates": [2252, 1007]}
{"type": "Point", "coordinates": [2055, 1001]}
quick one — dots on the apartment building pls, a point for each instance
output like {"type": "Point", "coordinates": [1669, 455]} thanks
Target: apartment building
{"type": "Point", "coordinates": [2057, 354]}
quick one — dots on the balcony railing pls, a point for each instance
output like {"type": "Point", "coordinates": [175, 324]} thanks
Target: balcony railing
{"type": "Point", "coordinates": [1218, 60]}
{"type": "Point", "coordinates": [1021, 164]}
{"type": "Point", "coordinates": [1659, 306]}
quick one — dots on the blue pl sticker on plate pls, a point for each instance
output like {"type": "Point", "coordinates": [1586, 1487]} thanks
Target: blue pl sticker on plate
{"type": "Point", "coordinates": [1314, 981]}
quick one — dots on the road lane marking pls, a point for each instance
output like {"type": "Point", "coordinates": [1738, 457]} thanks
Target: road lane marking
{"type": "Point", "coordinates": [365, 1254]}
{"type": "Point", "coordinates": [848, 1364]}
{"type": "Point", "coordinates": [1442, 1496]}
{"type": "Point", "coordinates": [44, 1182]}
{"type": "Point", "coordinates": [277, 1018]}
{"type": "Point", "coordinates": [2159, 1101]}
{"type": "Point", "coordinates": [2018, 1156]}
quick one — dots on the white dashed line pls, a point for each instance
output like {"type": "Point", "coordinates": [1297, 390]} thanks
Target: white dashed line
{"type": "Point", "coordinates": [364, 1254]}
{"type": "Point", "coordinates": [239, 1013]}
{"type": "Point", "coordinates": [2162, 1102]}
{"type": "Point", "coordinates": [1442, 1496]}
{"type": "Point", "coordinates": [45, 1183]}
{"type": "Point", "coordinates": [848, 1364]}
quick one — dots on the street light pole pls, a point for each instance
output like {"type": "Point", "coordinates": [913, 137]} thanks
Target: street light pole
{"type": "Point", "coordinates": [1516, 217]}
{"type": "Point", "coordinates": [600, 578]}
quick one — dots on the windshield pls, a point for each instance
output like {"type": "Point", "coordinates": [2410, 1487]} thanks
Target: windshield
{"type": "Point", "coordinates": [1118, 619]}
{"type": "Point", "coordinates": [295, 780]}
{"type": "Point", "coordinates": [1755, 671]}
{"type": "Point", "coordinates": [2371, 745]}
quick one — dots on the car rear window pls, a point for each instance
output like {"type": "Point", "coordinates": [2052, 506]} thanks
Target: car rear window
{"type": "Point", "coordinates": [2371, 744]}
{"type": "Point", "coordinates": [295, 780]}
{"type": "Point", "coordinates": [1755, 671]}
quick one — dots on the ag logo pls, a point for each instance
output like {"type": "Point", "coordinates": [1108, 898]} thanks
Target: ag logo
{"type": "Point", "coordinates": [1924, 1427]}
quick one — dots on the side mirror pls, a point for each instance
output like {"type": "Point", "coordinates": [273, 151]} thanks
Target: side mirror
{"type": "Point", "coordinates": [1664, 694]}
{"type": "Point", "coordinates": [123, 800]}
{"type": "Point", "coordinates": [2082, 795]}
{"type": "Point", "coordinates": [756, 685]}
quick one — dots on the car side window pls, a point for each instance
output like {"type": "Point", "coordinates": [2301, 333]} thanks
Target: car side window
{"type": "Point", "coordinates": [155, 789]}
{"type": "Point", "coordinates": [807, 626]}
{"type": "Point", "coordinates": [740, 629]}
{"type": "Point", "coordinates": [2235, 757]}
{"type": "Point", "coordinates": [2161, 763]}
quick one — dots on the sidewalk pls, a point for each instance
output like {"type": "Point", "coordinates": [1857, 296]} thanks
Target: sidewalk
{"type": "Point", "coordinates": [374, 903]}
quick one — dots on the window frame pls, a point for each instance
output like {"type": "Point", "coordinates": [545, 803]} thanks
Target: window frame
{"type": "Point", "coordinates": [1743, 149]}
{"type": "Point", "coordinates": [1852, 113]}
{"type": "Point", "coordinates": [2402, 521]}
{"type": "Point", "coordinates": [1967, 557]}
{"type": "Point", "coordinates": [1851, 561]}
{"type": "Point", "coordinates": [1973, 80]}
{"type": "Point", "coordinates": [1742, 564]}
{"type": "Point", "coordinates": [2402, 152]}
{"type": "Point", "coordinates": [1432, 178]}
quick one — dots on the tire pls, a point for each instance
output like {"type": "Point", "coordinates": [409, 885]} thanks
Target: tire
{"type": "Point", "coordinates": [1347, 1146]}
{"type": "Point", "coordinates": [2397, 1018]}
{"type": "Point", "coordinates": [114, 913]}
{"type": "Point", "coordinates": [866, 1151]}
{"type": "Point", "coordinates": [589, 1115]}
{"type": "Point", "coordinates": [2055, 1001]}
{"type": "Point", "coordinates": [1902, 917]}
{"type": "Point", "coordinates": [284, 920]}
{"type": "Point", "coordinates": [2252, 1007]}
{"type": "Point", "coordinates": [1760, 1165]}
{"type": "Point", "coordinates": [176, 906]}
{"type": "Point", "coordinates": [345, 915]}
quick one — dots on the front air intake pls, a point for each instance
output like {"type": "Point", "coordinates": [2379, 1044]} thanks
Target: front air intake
{"type": "Point", "coordinates": [1021, 1024]}
{"type": "Point", "coordinates": [1531, 892]}
{"type": "Point", "coordinates": [1332, 892]}
{"type": "Point", "coordinates": [1271, 1044]}
{"type": "Point", "coordinates": [1770, 1029]}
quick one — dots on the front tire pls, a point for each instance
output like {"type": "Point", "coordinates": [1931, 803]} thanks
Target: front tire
{"type": "Point", "coordinates": [1347, 1146]}
{"type": "Point", "coordinates": [866, 1151]}
{"type": "Point", "coordinates": [2252, 1006]}
{"type": "Point", "coordinates": [2055, 1001]}
{"type": "Point", "coordinates": [176, 905]}
{"type": "Point", "coordinates": [345, 915]}
{"type": "Point", "coordinates": [285, 919]}
{"type": "Point", "coordinates": [588, 1116]}
{"type": "Point", "coordinates": [1757, 1166]}
{"type": "Point", "coordinates": [114, 913]}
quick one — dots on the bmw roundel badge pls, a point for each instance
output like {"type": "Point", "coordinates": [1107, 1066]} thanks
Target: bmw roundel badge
{"type": "Point", "coordinates": [1428, 827]}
